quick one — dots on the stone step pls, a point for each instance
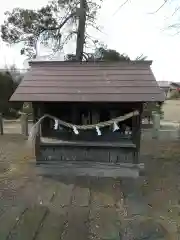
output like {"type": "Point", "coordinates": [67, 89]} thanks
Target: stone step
{"type": "Point", "coordinates": [89, 169]}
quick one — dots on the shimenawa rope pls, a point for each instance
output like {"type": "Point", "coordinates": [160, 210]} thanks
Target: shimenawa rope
{"type": "Point", "coordinates": [35, 129]}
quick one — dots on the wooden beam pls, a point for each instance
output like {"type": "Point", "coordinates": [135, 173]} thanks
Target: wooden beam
{"type": "Point", "coordinates": [123, 144]}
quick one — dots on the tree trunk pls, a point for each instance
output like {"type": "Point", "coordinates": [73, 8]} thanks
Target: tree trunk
{"type": "Point", "coordinates": [81, 31]}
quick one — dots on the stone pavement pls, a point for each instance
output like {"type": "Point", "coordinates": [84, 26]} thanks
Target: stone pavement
{"type": "Point", "coordinates": [78, 208]}
{"type": "Point", "coordinates": [34, 207]}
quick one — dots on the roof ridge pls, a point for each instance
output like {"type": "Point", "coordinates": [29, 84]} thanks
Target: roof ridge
{"type": "Point", "coordinates": [149, 62]}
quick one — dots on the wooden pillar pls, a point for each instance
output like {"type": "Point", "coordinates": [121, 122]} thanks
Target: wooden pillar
{"type": "Point", "coordinates": [1, 124]}
{"type": "Point", "coordinates": [136, 122]}
{"type": "Point", "coordinates": [75, 119]}
{"type": "Point", "coordinates": [178, 131]}
{"type": "Point", "coordinates": [34, 113]}
{"type": "Point", "coordinates": [74, 112]}
{"type": "Point", "coordinates": [37, 148]}
{"type": "Point", "coordinates": [38, 112]}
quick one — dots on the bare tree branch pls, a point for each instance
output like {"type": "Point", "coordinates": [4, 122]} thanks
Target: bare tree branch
{"type": "Point", "coordinates": [174, 26]}
{"type": "Point", "coordinates": [157, 10]}
{"type": "Point", "coordinates": [61, 25]}
{"type": "Point", "coordinates": [175, 11]}
{"type": "Point", "coordinates": [91, 23]}
{"type": "Point", "coordinates": [68, 38]}
{"type": "Point", "coordinates": [120, 7]}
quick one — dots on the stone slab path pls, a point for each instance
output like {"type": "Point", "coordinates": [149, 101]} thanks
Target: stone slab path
{"type": "Point", "coordinates": [33, 207]}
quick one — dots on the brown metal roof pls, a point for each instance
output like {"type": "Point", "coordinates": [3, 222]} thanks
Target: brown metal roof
{"type": "Point", "coordinates": [98, 82]}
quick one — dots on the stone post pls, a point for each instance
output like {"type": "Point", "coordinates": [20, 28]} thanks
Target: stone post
{"type": "Point", "coordinates": [156, 125]}
{"type": "Point", "coordinates": [1, 124]}
{"type": "Point", "coordinates": [178, 130]}
{"type": "Point", "coordinates": [24, 124]}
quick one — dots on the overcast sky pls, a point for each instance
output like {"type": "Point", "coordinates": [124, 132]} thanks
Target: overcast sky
{"type": "Point", "coordinates": [131, 30]}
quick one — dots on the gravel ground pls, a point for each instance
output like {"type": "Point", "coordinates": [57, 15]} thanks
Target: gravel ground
{"type": "Point", "coordinates": [34, 207]}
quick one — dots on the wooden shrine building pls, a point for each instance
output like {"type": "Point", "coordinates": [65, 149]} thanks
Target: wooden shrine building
{"type": "Point", "coordinates": [86, 94]}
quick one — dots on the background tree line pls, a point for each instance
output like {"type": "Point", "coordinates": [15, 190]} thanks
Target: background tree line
{"type": "Point", "coordinates": [9, 80]}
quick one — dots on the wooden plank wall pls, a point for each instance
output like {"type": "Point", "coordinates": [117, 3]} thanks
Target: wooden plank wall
{"type": "Point", "coordinates": [97, 154]}
{"type": "Point", "coordinates": [93, 154]}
